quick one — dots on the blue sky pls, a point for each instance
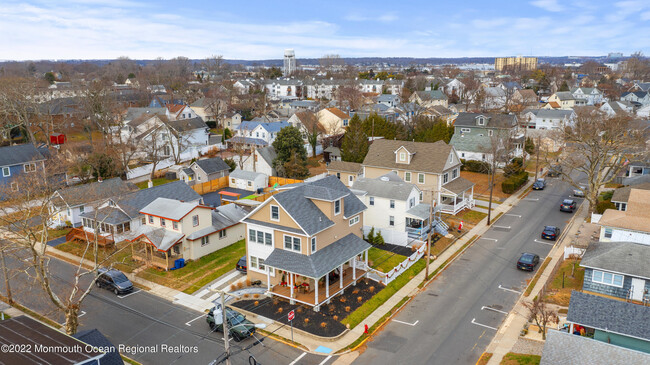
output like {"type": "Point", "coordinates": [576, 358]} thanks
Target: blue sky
{"type": "Point", "coordinates": [106, 29]}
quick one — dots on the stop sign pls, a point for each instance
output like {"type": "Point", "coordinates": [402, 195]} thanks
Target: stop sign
{"type": "Point", "coordinates": [291, 315]}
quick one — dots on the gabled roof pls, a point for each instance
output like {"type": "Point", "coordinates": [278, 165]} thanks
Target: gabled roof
{"type": "Point", "coordinates": [609, 315]}
{"type": "Point", "coordinates": [212, 165]}
{"type": "Point", "coordinates": [564, 95]}
{"type": "Point", "coordinates": [492, 120]}
{"type": "Point", "coordinates": [343, 166]}
{"type": "Point", "coordinates": [86, 193]}
{"type": "Point", "coordinates": [222, 217]}
{"type": "Point", "coordinates": [337, 112]}
{"type": "Point", "coordinates": [246, 175]}
{"type": "Point", "coordinates": [184, 125]}
{"type": "Point", "coordinates": [268, 154]}
{"type": "Point", "coordinates": [163, 239]}
{"type": "Point", "coordinates": [636, 217]}
{"type": "Point", "coordinates": [133, 112]}
{"type": "Point", "coordinates": [562, 348]}
{"type": "Point", "coordinates": [320, 263]}
{"type": "Point", "coordinates": [169, 208]}
{"type": "Point", "coordinates": [271, 127]}
{"type": "Point", "coordinates": [133, 203]}
{"type": "Point", "coordinates": [551, 113]}
{"type": "Point", "coordinates": [628, 258]}
{"type": "Point", "coordinates": [431, 95]}
{"type": "Point", "coordinates": [428, 157]}
{"type": "Point", "coordinates": [309, 120]}
{"type": "Point", "coordinates": [19, 154]}
{"type": "Point", "coordinates": [623, 194]}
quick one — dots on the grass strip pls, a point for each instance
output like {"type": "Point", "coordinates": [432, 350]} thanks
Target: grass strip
{"type": "Point", "coordinates": [530, 287]}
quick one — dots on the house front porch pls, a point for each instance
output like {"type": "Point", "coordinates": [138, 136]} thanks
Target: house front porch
{"type": "Point", "coordinates": [417, 222]}
{"type": "Point", "coordinates": [305, 290]}
{"type": "Point", "coordinates": [456, 196]}
{"type": "Point", "coordinates": [150, 256]}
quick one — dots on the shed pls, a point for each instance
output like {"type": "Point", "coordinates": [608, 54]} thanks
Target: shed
{"type": "Point", "coordinates": [248, 180]}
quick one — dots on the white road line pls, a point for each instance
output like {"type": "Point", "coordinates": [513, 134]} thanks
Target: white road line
{"type": "Point", "coordinates": [131, 293]}
{"type": "Point", "coordinates": [482, 325]}
{"type": "Point", "coordinates": [513, 215]}
{"type": "Point", "coordinates": [546, 243]}
{"type": "Point", "coordinates": [406, 323]}
{"type": "Point", "coordinates": [324, 361]}
{"type": "Point", "coordinates": [510, 290]}
{"type": "Point", "coordinates": [83, 313]}
{"type": "Point", "coordinates": [493, 309]}
{"type": "Point", "coordinates": [491, 239]}
{"type": "Point", "coordinates": [531, 199]}
{"type": "Point", "coordinates": [298, 358]}
{"type": "Point", "coordinates": [188, 323]}
{"type": "Point", "coordinates": [502, 227]}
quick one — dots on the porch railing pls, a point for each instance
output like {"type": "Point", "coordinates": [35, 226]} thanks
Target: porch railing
{"type": "Point", "coordinates": [156, 260]}
{"type": "Point", "coordinates": [404, 265]}
{"type": "Point", "coordinates": [454, 209]}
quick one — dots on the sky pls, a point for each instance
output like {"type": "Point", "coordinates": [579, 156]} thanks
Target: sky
{"type": "Point", "coordinates": [253, 30]}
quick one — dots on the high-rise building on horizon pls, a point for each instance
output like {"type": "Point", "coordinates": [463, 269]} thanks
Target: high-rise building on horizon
{"type": "Point", "coordinates": [289, 62]}
{"type": "Point", "coordinates": [515, 63]}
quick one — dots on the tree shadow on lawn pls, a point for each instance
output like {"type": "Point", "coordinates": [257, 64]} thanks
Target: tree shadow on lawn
{"type": "Point", "coordinates": [327, 322]}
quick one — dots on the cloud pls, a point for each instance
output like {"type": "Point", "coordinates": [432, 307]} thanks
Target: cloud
{"type": "Point", "coordinates": [548, 5]}
{"type": "Point", "coordinates": [384, 18]}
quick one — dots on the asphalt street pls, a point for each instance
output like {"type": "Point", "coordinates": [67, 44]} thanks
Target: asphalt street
{"type": "Point", "coordinates": [143, 319]}
{"type": "Point", "coordinates": [456, 317]}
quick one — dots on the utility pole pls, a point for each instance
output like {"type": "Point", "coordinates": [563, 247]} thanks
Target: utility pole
{"type": "Point", "coordinates": [537, 164]}
{"type": "Point", "coordinates": [492, 168]}
{"type": "Point", "coordinates": [226, 334]}
{"type": "Point", "coordinates": [426, 273]}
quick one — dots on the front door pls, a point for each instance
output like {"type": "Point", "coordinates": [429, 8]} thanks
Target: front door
{"type": "Point", "coordinates": [638, 286]}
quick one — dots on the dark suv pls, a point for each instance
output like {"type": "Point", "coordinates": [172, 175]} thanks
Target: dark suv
{"type": "Point", "coordinates": [527, 261]}
{"type": "Point", "coordinates": [568, 205]}
{"type": "Point", "coordinates": [241, 265]}
{"type": "Point", "coordinates": [554, 171]}
{"type": "Point", "coordinates": [551, 233]}
{"type": "Point", "coordinates": [238, 326]}
{"type": "Point", "coordinates": [114, 280]}
{"type": "Point", "coordinates": [540, 184]}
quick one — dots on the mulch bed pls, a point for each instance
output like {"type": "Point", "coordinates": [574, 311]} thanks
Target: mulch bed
{"type": "Point", "coordinates": [321, 323]}
{"type": "Point", "coordinates": [402, 250]}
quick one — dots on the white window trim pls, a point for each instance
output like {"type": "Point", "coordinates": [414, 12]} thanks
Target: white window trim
{"type": "Point", "coordinates": [391, 204]}
{"type": "Point", "coordinates": [284, 237]}
{"type": "Point", "coordinates": [339, 212]}
{"type": "Point", "coordinates": [197, 220]}
{"type": "Point", "coordinates": [371, 200]}
{"type": "Point", "coordinates": [407, 176]}
{"type": "Point", "coordinates": [423, 178]}
{"type": "Point", "coordinates": [314, 244]}
{"type": "Point", "coordinates": [402, 156]}
{"type": "Point", "coordinates": [465, 130]}
{"type": "Point", "coordinates": [8, 170]}
{"type": "Point", "coordinates": [445, 178]}
{"type": "Point", "coordinates": [205, 240]}
{"type": "Point", "coordinates": [354, 220]}
{"type": "Point", "coordinates": [271, 213]}
{"type": "Point", "coordinates": [602, 280]}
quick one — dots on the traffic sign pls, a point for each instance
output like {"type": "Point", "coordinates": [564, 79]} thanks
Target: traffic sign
{"type": "Point", "coordinates": [291, 315]}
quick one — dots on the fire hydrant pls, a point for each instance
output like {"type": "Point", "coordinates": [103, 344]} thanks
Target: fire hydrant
{"type": "Point", "coordinates": [365, 329]}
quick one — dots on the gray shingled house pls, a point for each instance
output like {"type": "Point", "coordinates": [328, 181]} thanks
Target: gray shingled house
{"type": "Point", "coordinates": [205, 170]}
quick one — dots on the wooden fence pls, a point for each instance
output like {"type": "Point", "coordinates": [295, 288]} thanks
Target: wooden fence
{"type": "Point", "coordinates": [282, 181]}
{"type": "Point", "coordinates": [211, 186]}
{"type": "Point", "coordinates": [222, 182]}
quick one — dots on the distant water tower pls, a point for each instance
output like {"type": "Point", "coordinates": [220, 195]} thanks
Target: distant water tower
{"type": "Point", "coordinates": [289, 62]}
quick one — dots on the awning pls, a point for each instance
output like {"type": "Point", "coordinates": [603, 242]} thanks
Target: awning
{"type": "Point", "coordinates": [420, 211]}
{"type": "Point", "coordinates": [322, 262]}
{"type": "Point", "coordinates": [161, 238]}
{"type": "Point", "coordinates": [458, 186]}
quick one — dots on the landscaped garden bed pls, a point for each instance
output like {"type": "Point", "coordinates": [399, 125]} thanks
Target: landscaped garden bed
{"type": "Point", "coordinates": [559, 289]}
{"type": "Point", "coordinates": [327, 322]}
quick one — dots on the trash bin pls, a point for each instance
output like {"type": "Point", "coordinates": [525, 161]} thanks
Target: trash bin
{"type": "Point", "coordinates": [179, 263]}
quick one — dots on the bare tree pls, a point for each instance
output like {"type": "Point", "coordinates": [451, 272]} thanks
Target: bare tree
{"type": "Point", "coordinates": [18, 108]}
{"type": "Point", "coordinates": [25, 217]}
{"type": "Point", "coordinates": [102, 110]}
{"type": "Point", "coordinates": [542, 314]}
{"type": "Point", "coordinates": [156, 147]}
{"type": "Point", "coordinates": [599, 147]}
{"type": "Point", "coordinates": [498, 152]}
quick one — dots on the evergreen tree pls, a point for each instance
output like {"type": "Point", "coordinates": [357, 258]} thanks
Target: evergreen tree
{"type": "Point", "coordinates": [379, 239]}
{"type": "Point", "coordinates": [287, 143]}
{"type": "Point", "coordinates": [371, 235]}
{"type": "Point", "coordinates": [355, 142]}
{"type": "Point", "coordinates": [296, 168]}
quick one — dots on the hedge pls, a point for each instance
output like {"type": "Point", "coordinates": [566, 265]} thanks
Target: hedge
{"type": "Point", "coordinates": [514, 182]}
{"type": "Point", "coordinates": [475, 166]}
{"type": "Point", "coordinates": [602, 206]}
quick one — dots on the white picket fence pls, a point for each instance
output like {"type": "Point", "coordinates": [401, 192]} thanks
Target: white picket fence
{"type": "Point", "coordinates": [187, 155]}
{"type": "Point", "coordinates": [595, 218]}
{"type": "Point", "coordinates": [403, 266]}
{"type": "Point", "coordinates": [572, 250]}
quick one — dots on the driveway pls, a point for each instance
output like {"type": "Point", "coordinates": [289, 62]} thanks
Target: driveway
{"type": "Point", "coordinates": [214, 199]}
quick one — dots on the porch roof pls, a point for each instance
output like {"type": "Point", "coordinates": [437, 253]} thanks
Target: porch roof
{"type": "Point", "coordinates": [323, 261]}
{"type": "Point", "coordinates": [161, 238]}
{"type": "Point", "coordinates": [108, 215]}
{"type": "Point", "coordinates": [458, 185]}
{"type": "Point", "coordinates": [420, 211]}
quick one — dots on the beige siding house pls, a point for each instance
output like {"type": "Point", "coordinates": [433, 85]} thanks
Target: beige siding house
{"type": "Point", "coordinates": [433, 167]}
{"type": "Point", "coordinates": [333, 120]}
{"type": "Point", "coordinates": [306, 242]}
{"type": "Point", "coordinates": [347, 172]}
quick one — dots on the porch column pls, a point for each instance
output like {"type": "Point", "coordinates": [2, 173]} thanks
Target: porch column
{"type": "Point", "coordinates": [341, 277]}
{"type": "Point", "coordinates": [291, 284]}
{"type": "Point", "coordinates": [268, 280]}
{"type": "Point", "coordinates": [327, 285]}
{"type": "Point", "coordinates": [316, 291]}
{"type": "Point", "coordinates": [366, 260]}
{"type": "Point", "coordinates": [166, 261]}
{"type": "Point", "coordinates": [354, 268]}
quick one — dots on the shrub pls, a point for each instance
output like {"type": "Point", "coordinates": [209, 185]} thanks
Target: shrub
{"type": "Point", "coordinates": [342, 300]}
{"type": "Point", "coordinates": [514, 182]}
{"type": "Point", "coordinates": [347, 308]}
{"type": "Point", "coordinates": [355, 291]}
{"type": "Point", "coordinates": [359, 299]}
{"type": "Point", "coordinates": [232, 287]}
{"type": "Point", "coordinates": [607, 195]}
{"type": "Point", "coordinates": [371, 235]}
{"type": "Point", "coordinates": [256, 296]}
{"type": "Point", "coordinates": [371, 289]}
{"type": "Point", "coordinates": [246, 295]}
{"type": "Point", "coordinates": [335, 317]}
{"type": "Point", "coordinates": [280, 310]}
{"type": "Point", "coordinates": [306, 321]}
{"type": "Point", "coordinates": [601, 206]}
{"type": "Point", "coordinates": [276, 301]}
{"type": "Point", "coordinates": [248, 282]}
{"type": "Point", "coordinates": [331, 307]}
{"type": "Point", "coordinates": [240, 285]}
{"type": "Point", "coordinates": [475, 166]}
{"type": "Point", "coordinates": [379, 239]}
{"type": "Point", "coordinates": [299, 309]}
{"type": "Point", "coordinates": [256, 303]}
{"type": "Point", "coordinates": [323, 324]}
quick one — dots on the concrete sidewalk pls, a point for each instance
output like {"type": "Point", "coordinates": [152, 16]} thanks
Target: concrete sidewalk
{"type": "Point", "coordinates": [410, 289]}
{"type": "Point", "coordinates": [508, 333]}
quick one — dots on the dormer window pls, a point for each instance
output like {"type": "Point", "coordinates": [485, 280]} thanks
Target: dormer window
{"type": "Point", "coordinates": [402, 156]}
{"type": "Point", "coordinates": [480, 121]}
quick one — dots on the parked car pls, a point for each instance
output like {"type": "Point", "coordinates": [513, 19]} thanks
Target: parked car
{"type": "Point", "coordinates": [568, 205]}
{"type": "Point", "coordinates": [540, 184]}
{"type": "Point", "coordinates": [527, 261]}
{"type": "Point", "coordinates": [114, 280]}
{"type": "Point", "coordinates": [554, 171]}
{"type": "Point", "coordinates": [550, 233]}
{"type": "Point", "coordinates": [580, 193]}
{"type": "Point", "coordinates": [238, 326]}
{"type": "Point", "coordinates": [242, 265]}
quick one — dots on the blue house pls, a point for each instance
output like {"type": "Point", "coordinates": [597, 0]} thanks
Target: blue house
{"type": "Point", "coordinates": [18, 160]}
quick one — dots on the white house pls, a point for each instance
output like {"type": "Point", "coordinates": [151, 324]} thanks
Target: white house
{"type": "Point", "coordinates": [284, 88]}
{"type": "Point", "coordinates": [248, 180]}
{"type": "Point", "coordinates": [388, 199]}
{"type": "Point", "coordinates": [612, 108]}
{"type": "Point", "coordinates": [261, 160]}
{"type": "Point", "coordinates": [174, 229]}
{"type": "Point", "coordinates": [548, 118]}
{"type": "Point", "coordinates": [630, 225]}
{"type": "Point", "coordinates": [257, 134]}
{"type": "Point", "coordinates": [590, 95]}
{"type": "Point", "coordinates": [321, 88]}
{"type": "Point", "coordinates": [333, 120]}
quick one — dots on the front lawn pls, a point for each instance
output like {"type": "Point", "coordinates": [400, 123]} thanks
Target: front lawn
{"type": "Point", "coordinates": [156, 182]}
{"type": "Point", "coordinates": [383, 260]}
{"type": "Point", "coordinates": [198, 273]}
{"type": "Point", "coordinates": [559, 290]}
{"type": "Point", "coordinates": [119, 255]}
{"type": "Point", "coordinates": [482, 185]}
{"type": "Point", "coordinates": [520, 359]}
{"type": "Point", "coordinates": [380, 298]}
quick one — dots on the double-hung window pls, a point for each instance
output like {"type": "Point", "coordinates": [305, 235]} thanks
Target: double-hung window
{"type": "Point", "coordinates": [407, 176]}
{"type": "Point", "coordinates": [268, 240]}
{"type": "Point", "coordinates": [275, 213]}
{"type": "Point", "coordinates": [6, 171]}
{"type": "Point", "coordinates": [392, 204]}
{"type": "Point", "coordinates": [337, 207]}
{"type": "Point", "coordinates": [371, 200]}
{"type": "Point", "coordinates": [292, 243]}
{"type": "Point", "coordinates": [420, 178]}
{"type": "Point", "coordinates": [608, 233]}
{"type": "Point", "coordinates": [195, 220]}
{"type": "Point", "coordinates": [205, 240]}
{"type": "Point", "coordinates": [607, 278]}
{"type": "Point", "coordinates": [313, 244]}
{"type": "Point", "coordinates": [162, 222]}
{"type": "Point", "coordinates": [445, 178]}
